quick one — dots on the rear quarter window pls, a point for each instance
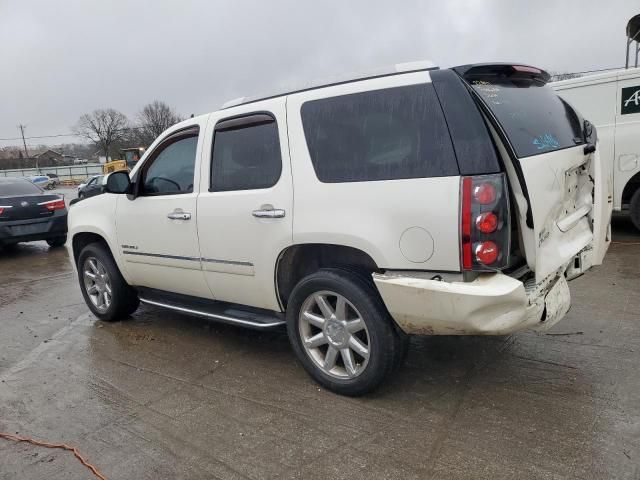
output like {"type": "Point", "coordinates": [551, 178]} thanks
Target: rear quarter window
{"type": "Point", "coordinates": [389, 134]}
{"type": "Point", "coordinates": [18, 187]}
{"type": "Point", "coordinates": [535, 119]}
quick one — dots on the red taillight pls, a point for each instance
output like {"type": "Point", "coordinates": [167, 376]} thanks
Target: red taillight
{"type": "Point", "coordinates": [484, 222]}
{"type": "Point", "coordinates": [487, 222]}
{"type": "Point", "coordinates": [485, 193]}
{"type": "Point", "coordinates": [487, 252]}
{"type": "Point", "coordinates": [525, 69]}
{"type": "Point", "coordinates": [3, 208]}
{"type": "Point", "coordinates": [52, 205]}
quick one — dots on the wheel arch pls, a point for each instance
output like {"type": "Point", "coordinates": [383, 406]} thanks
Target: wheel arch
{"type": "Point", "coordinates": [630, 188]}
{"type": "Point", "coordinates": [81, 239]}
{"type": "Point", "coordinates": [299, 260]}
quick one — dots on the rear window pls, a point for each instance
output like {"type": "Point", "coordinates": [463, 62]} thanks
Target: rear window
{"type": "Point", "coordinates": [246, 158]}
{"type": "Point", "coordinates": [18, 187]}
{"type": "Point", "coordinates": [388, 134]}
{"type": "Point", "coordinates": [535, 119]}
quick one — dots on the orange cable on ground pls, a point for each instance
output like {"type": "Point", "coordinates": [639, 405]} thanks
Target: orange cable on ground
{"type": "Point", "coordinates": [17, 438]}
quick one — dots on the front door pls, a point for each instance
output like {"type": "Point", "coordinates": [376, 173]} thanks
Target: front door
{"type": "Point", "coordinates": [245, 208]}
{"type": "Point", "coordinates": [157, 231]}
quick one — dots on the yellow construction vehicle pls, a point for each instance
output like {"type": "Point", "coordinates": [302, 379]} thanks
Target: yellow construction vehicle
{"type": "Point", "coordinates": [129, 156]}
{"type": "Point", "coordinates": [114, 166]}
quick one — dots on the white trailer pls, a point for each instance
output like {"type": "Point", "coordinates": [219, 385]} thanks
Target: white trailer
{"type": "Point", "coordinates": [611, 101]}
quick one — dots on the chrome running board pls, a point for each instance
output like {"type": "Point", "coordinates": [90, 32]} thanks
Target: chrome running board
{"type": "Point", "coordinates": [219, 311]}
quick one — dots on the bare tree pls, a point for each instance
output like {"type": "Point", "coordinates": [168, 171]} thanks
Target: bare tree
{"type": "Point", "coordinates": [154, 119]}
{"type": "Point", "coordinates": [103, 128]}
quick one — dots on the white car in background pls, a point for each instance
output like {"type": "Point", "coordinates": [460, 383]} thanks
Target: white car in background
{"type": "Point", "coordinates": [414, 201]}
{"type": "Point", "coordinates": [611, 101]}
{"type": "Point", "coordinates": [42, 181]}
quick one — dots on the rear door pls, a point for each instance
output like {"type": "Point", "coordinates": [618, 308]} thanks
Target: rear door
{"type": "Point", "coordinates": [245, 206]}
{"type": "Point", "coordinates": [561, 186]}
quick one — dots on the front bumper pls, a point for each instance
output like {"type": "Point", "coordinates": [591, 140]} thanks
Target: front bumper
{"type": "Point", "coordinates": [492, 304]}
{"type": "Point", "coordinates": [33, 229]}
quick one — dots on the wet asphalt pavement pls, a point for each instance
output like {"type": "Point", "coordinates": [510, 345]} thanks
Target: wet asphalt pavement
{"type": "Point", "coordinates": [170, 396]}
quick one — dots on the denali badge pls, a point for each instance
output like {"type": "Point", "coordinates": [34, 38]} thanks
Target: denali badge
{"type": "Point", "coordinates": [630, 100]}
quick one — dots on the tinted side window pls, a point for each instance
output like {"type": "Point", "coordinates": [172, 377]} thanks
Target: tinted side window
{"type": "Point", "coordinates": [246, 158]}
{"type": "Point", "coordinates": [171, 169]}
{"type": "Point", "coordinates": [385, 134]}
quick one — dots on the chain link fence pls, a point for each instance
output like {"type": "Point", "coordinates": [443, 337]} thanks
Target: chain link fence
{"type": "Point", "coordinates": [69, 174]}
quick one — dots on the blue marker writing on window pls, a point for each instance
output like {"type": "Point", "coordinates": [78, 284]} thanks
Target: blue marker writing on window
{"type": "Point", "coordinates": [546, 141]}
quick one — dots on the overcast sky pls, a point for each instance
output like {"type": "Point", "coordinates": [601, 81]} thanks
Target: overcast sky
{"type": "Point", "coordinates": [62, 58]}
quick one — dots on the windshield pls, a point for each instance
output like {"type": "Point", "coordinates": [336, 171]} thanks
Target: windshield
{"type": "Point", "coordinates": [534, 118]}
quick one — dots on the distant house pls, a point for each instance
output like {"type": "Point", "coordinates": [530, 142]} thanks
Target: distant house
{"type": "Point", "coordinates": [50, 158]}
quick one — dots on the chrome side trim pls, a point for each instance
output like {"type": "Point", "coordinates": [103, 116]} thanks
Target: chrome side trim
{"type": "Point", "coordinates": [226, 318]}
{"type": "Point", "coordinates": [193, 259]}
{"type": "Point", "coordinates": [161, 255]}
{"type": "Point", "coordinates": [227, 262]}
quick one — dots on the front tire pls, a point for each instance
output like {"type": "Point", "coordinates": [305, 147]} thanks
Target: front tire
{"type": "Point", "coordinates": [634, 209]}
{"type": "Point", "coordinates": [342, 333]}
{"type": "Point", "coordinates": [105, 291]}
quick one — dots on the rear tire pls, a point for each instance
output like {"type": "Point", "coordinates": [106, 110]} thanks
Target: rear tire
{"type": "Point", "coordinates": [56, 242]}
{"type": "Point", "coordinates": [104, 289]}
{"type": "Point", "coordinates": [634, 209]}
{"type": "Point", "coordinates": [342, 333]}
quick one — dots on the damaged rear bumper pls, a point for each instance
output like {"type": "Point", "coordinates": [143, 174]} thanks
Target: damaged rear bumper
{"type": "Point", "coordinates": [492, 304]}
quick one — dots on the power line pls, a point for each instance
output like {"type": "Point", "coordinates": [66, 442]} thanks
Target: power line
{"type": "Point", "coordinates": [42, 136]}
{"type": "Point", "coordinates": [65, 134]}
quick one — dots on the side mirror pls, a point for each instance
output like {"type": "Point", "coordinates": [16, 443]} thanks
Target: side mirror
{"type": "Point", "coordinates": [118, 182]}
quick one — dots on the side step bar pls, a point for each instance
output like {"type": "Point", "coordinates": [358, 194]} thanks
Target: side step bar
{"type": "Point", "coordinates": [223, 312]}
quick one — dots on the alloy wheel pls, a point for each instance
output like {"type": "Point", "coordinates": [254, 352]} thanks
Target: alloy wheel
{"type": "Point", "coordinates": [334, 335]}
{"type": "Point", "coordinates": [97, 283]}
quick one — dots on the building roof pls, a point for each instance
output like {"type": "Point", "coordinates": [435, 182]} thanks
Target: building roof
{"type": "Point", "coordinates": [48, 151]}
{"type": "Point", "coordinates": [598, 78]}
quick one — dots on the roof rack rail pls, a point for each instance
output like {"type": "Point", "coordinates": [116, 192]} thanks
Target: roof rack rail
{"type": "Point", "coordinates": [407, 67]}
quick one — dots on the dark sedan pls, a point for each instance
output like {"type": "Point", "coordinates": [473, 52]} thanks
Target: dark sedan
{"type": "Point", "coordinates": [27, 214]}
{"type": "Point", "coordinates": [93, 187]}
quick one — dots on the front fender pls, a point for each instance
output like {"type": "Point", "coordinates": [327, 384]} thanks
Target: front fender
{"type": "Point", "coordinates": [96, 215]}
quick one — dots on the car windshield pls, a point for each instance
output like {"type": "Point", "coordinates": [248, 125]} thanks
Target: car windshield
{"type": "Point", "coordinates": [18, 187]}
{"type": "Point", "coordinates": [535, 119]}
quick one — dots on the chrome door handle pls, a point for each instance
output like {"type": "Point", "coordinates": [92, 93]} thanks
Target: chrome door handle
{"type": "Point", "coordinates": [179, 215]}
{"type": "Point", "coordinates": [269, 213]}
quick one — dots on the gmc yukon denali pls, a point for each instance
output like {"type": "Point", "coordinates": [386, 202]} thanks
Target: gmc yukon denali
{"type": "Point", "coordinates": [418, 201]}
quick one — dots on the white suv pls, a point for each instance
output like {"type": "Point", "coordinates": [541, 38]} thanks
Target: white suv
{"type": "Point", "coordinates": [434, 202]}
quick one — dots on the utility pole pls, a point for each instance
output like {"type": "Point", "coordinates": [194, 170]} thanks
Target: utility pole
{"type": "Point", "coordinates": [24, 142]}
